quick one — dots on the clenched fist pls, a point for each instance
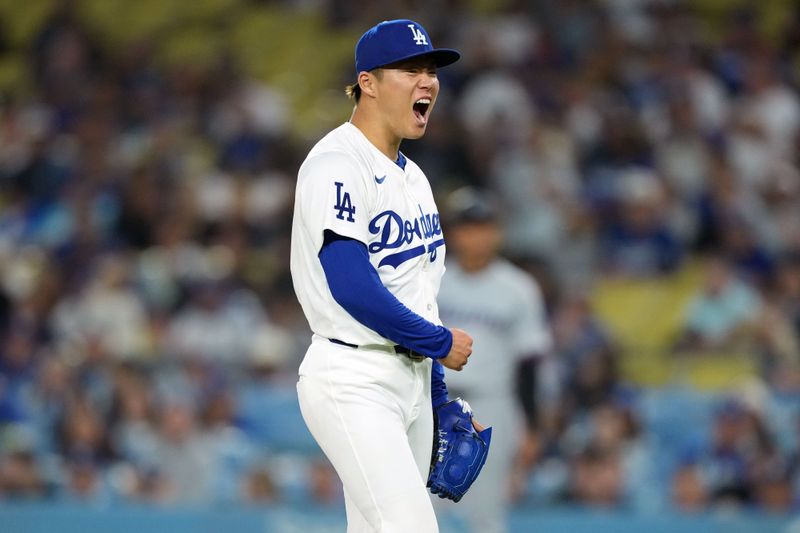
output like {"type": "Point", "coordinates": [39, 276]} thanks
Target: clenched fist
{"type": "Point", "coordinates": [459, 352]}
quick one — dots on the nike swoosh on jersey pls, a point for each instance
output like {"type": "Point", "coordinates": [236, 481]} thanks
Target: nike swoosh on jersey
{"type": "Point", "coordinates": [380, 180]}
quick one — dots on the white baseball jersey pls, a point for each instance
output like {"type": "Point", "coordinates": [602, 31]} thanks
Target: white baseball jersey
{"type": "Point", "coordinates": [348, 186]}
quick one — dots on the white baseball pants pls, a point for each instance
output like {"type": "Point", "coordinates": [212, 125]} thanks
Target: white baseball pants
{"type": "Point", "coordinates": [370, 412]}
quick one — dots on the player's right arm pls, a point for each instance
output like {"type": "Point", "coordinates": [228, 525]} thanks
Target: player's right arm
{"type": "Point", "coordinates": [356, 286]}
{"type": "Point", "coordinates": [335, 202]}
{"type": "Point", "coordinates": [334, 196]}
{"type": "Point", "coordinates": [460, 350]}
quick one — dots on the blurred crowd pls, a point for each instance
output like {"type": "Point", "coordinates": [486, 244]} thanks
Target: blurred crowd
{"type": "Point", "coordinates": [146, 305]}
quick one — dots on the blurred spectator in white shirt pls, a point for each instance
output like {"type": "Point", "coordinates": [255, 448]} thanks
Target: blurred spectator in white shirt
{"type": "Point", "coordinates": [722, 313]}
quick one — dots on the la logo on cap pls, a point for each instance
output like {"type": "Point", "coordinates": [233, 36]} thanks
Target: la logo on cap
{"type": "Point", "coordinates": [419, 37]}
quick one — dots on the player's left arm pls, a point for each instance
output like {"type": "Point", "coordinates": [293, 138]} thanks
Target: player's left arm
{"type": "Point", "coordinates": [531, 332]}
{"type": "Point", "coordinates": [532, 342]}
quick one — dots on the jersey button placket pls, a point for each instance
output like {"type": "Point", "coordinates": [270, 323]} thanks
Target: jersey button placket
{"type": "Point", "coordinates": [412, 204]}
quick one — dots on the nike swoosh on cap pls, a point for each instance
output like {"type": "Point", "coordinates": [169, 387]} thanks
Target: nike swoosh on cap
{"type": "Point", "coordinates": [380, 180]}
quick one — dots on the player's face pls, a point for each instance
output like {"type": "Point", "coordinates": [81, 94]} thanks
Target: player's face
{"type": "Point", "coordinates": [406, 94]}
{"type": "Point", "coordinates": [475, 243]}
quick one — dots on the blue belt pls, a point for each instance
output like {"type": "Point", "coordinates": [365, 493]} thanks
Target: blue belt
{"type": "Point", "coordinates": [411, 354]}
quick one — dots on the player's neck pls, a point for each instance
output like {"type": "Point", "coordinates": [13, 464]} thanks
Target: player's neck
{"type": "Point", "coordinates": [377, 134]}
{"type": "Point", "coordinates": [474, 265]}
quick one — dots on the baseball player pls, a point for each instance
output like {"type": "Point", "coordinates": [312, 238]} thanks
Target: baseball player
{"type": "Point", "coordinates": [502, 308]}
{"type": "Point", "coordinates": [367, 256]}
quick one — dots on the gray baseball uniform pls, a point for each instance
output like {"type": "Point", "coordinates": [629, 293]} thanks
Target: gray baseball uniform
{"type": "Point", "coordinates": [502, 308]}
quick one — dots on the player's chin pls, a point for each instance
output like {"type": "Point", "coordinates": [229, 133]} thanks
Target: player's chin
{"type": "Point", "coordinates": [416, 131]}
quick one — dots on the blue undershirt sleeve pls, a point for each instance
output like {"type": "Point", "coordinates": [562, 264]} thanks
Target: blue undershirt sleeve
{"type": "Point", "coordinates": [356, 286]}
{"type": "Point", "coordinates": [438, 386]}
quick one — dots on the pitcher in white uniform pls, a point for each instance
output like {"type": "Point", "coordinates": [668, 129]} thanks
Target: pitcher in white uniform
{"type": "Point", "coordinates": [367, 257]}
{"type": "Point", "coordinates": [501, 306]}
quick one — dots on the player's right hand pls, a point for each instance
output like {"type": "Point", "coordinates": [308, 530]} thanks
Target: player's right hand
{"type": "Point", "coordinates": [459, 351]}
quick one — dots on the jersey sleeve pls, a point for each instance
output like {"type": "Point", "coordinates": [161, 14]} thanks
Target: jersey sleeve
{"type": "Point", "coordinates": [531, 334]}
{"type": "Point", "coordinates": [335, 197]}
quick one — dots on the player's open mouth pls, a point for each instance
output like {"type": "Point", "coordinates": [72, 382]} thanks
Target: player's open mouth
{"type": "Point", "coordinates": [421, 107]}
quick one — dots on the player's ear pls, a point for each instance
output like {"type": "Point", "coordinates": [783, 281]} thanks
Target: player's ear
{"type": "Point", "coordinates": [367, 82]}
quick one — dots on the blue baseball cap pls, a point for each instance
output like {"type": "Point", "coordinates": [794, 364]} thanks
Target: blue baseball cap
{"type": "Point", "coordinates": [395, 40]}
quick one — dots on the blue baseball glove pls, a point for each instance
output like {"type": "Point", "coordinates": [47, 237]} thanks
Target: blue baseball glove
{"type": "Point", "coordinates": [459, 451]}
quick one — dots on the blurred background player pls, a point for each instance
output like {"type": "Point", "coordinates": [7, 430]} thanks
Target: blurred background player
{"type": "Point", "coordinates": [502, 307]}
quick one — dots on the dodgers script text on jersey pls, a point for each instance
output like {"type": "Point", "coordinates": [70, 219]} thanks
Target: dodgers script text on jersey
{"type": "Point", "coordinates": [394, 232]}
